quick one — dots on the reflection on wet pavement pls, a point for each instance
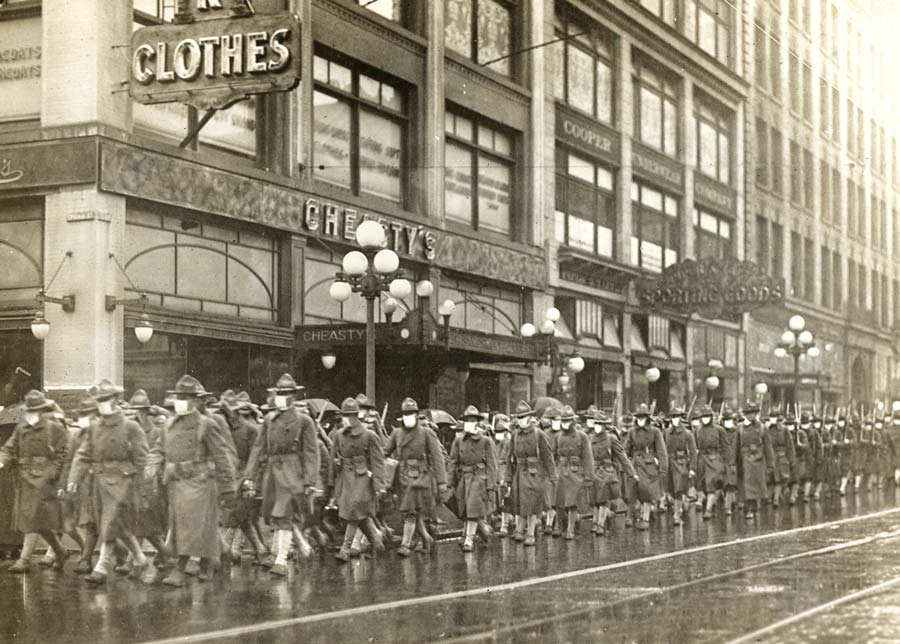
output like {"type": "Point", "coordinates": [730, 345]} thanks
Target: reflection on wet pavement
{"type": "Point", "coordinates": [708, 595]}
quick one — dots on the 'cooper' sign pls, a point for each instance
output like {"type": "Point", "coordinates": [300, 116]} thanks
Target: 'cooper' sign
{"type": "Point", "coordinates": [210, 64]}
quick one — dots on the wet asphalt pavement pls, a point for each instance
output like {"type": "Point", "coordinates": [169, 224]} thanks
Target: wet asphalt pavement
{"type": "Point", "coordinates": [710, 581]}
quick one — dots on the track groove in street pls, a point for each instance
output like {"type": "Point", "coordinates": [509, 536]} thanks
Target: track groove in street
{"type": "Point", "coordinates": [256, 629]}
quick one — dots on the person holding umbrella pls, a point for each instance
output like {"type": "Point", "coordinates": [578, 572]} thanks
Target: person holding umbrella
{"type": "Point", "coordinates": [533, 472]}
{"type": "Point", "coordinates": [37, 449]}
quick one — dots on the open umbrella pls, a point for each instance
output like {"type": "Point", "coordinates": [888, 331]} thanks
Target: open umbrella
{"type": "Point", "coordinates": [320, 405]}
{"type": "Point", "coordinates": [439, 417]}
{"type": "Point", "coordinates": [543, 403]}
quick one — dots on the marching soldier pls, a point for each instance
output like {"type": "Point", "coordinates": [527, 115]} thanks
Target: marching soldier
{"type": "Point", "coordinates": [893, 428]}
{"type": "Point", "coordinates": [755, 458]}
{"type": "Point", "coordinates": [712, 448]}
{"type": "Point", "coordinates": [860, 451]}
{"type": "Point", "coordinates": [820, 471]}
{"type": "Point", "coordinates": [288, 444]}
{"type": "Point", "coordinates": [421, 474]}
{"type": "Point", "coordinates": [730, 458]}
{"type": "Point", "coordinates": [681, 447]}
{"type": "Point", "coordinates": [876, 458]}
{"type": "Point", "coordinates": [800, 442]}
{"type": "Point", "coordinates": [533, 472]}
{"type": "Point", "coordinates": [197, 467]}
{"type": "Point", "coordinates": [814, 455]}
{"type": "Point", "coordinates": [503, 443]}
{"type": "Point", "coordinates": [37, 450]}
{"type": "Point", "coordinates": [831, 439]}
{"type": "Point", "coordinates": [83, 501]}
{"type": "Point", "coordinates": [358, 477]}
{"type": "Point", "coordinates": [785, 455]}
{"type": "Point", "coordinates": [115, 452]}
{"type": "Point", "coordinates": [551, 423]}
{"type": "Point", "coordinates": [847, 443]}
{"type": "Point", "coordinates": [239, 520]}
{"type": "Point", "coordinates": [575, 466]}
{"type": "Point", "coordinates": [606, 451]}
{"type": "Point", "coordinates": [472, 473]}
{"type": "Point", "coordinates": [646, 448]}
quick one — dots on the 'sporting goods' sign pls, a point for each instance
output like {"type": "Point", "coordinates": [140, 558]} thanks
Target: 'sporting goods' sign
{"type": "Point", "coordinates": [210, 64]}
{"type": "Point", "coordinates": [713, 288]}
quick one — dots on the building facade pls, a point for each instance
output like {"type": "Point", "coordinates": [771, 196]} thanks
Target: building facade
{"type": "Point", "coordinates": [521, 154]}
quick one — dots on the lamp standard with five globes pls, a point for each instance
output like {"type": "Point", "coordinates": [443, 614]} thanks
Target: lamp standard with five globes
{"type": "Point", "coordinates": [547, 330]}
{"type": "Point", "coordinates": [796, 341]}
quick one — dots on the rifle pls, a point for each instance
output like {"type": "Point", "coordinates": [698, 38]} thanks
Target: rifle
{"type": "Point", "coordinates": [691, 408]}
{"type": "Point", "coordinates": [384, 413]}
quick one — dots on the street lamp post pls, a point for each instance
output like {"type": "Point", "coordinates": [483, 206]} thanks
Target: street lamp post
{"type": "Point", "coordinates": [565, 365]}
{"type": "Point", "coordinates": [370, 272]}
{"type": "Point", "coordinates": [796, 341]}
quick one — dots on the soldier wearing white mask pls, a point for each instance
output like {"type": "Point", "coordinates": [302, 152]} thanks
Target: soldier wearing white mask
{"type": "Point", "coordinates": [472, 473]}
{"type": "Point", "coordinates": [533, 472]}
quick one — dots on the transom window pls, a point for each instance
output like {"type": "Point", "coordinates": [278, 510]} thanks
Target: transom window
{"type": "Point", "coordinates": [360, 126]}
{"type": "Point", "coordinates": [478, 173]}
{"type": "Point", "coordinates": [656, 98]}
{"type": "Point", "coordinates": [584, 70]}
{"type": "Point", "coordinates": [709, 24]}
{"type": "Point", "coordinates": [480, 30]}
{"type": "Point", "coordinates": [713, 127]}
{"type": "Point", "coordinates": [655, 235]}
{"type": "Point", "coordinates": [712, 235]}
{"type": "Point", "coordinates": [585, 205]}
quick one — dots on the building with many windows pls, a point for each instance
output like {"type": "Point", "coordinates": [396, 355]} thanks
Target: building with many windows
{"type": "Point", "coordinates": [521, 154]}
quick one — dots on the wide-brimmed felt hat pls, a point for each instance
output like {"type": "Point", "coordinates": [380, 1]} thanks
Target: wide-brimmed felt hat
{"type": "Point", "coordinates": [471, 412]}
{"type": "Point", "coordinates": [567, 412]}
{"type": "Point", "coordinates": [349, 407]}
{"type": "Point", "coordinates": [642, 411]}
{"type": "Point", "coordinates": [364, 403]}
{"type": "Point", "coordinates": [86, 406]}
{"type": "Point", "coordinates": [104, 390]}
{"type": "Point", "coordinates": [187, 386]}
{"type": "Point", "coordinates": [36, 401]}
{"type": "Point", "coordinates": [523, 409]}
{"type": "Point", "coordinates": [139, 400]}
{"type": "Point", "coordinates": [285, 385]}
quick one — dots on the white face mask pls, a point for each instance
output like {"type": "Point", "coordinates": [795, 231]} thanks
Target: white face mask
{"type": "Point", "coordinates": [32, 418]}
{"type": "Point", "coordinates": [106, 407]}
{"type": "Point", "coordinates": [706, 420]}
{"type": "Point", "coordinates": [409, 421]}
{"type": "Point", "coordinates": [728, 424]}
{"type": "Point", "coordinates": [555, 425]}
{"type": "Point", "coordinates": [804, 427]}
{"type": "Point", "coordinates": [590, 422]}
{"type": "Point", "coordinates": [523, 422]}
{"type": "Point", "coordinates": [842, 423]}
{"type": "Point", "coordinates": [641, 422]}
{"type": "Point", "coordinates": [182, 407]}
{"type": "Point", "coordinates": [598, 429]}
{"type": "Point", "coordinates": [282, 402]}
{"type": "Point", "coordinates": [470, 426]}
{"type": "Point", "coordinates": [84, 422]}
{"type": "Point", "coordinates": [695, 423]}
{"type": "Point", "coordinates": [500, 436]}
{"type": "Point", "coordinates": [676, 421]}
{"type": "Point", "coordinates": [748, 422]}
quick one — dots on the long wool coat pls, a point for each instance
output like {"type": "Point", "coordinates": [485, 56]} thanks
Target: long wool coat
{"type": "Point", "coordinates": [755, 456]}
{"type": "Point", "coordinates": [38, 454]}
{"type": "Point", "coordinates": [115, 452]}
{"type": "Point", "coordinates": [420, 467]}
{"type": "Point", "coordinates": [288, 444]}
{"type": "Point", "coordinates": [646, 448]}
{"type": "Point", "coordinates": [712, 450]}
{"type": "Point", "coordinates": [533, 471]}
{"type": "Point", "coordinates": [785, 455]}
{"type": "Point", "coordinates": [730, 457]}
{"type": "Point", "coordinates": [472, 473]}
{"type": "Point", "coordinates": [609, 456]}
{"type": "Point", "coordinates": [682, 450]}
{"type": "Point", "coordinates": [575, 465]}
{"type": "Point", "coordinates": [358, 471]}
{"type": "Point", "coordinates": [197, 465]}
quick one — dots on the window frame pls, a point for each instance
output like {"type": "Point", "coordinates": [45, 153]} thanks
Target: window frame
{"type": "Point", "coordinates": [725, 244]}
{"type": "Point", "coordinates": [670, 223]}
{"type": "Point", "coordinates": [667, 91]}
{"type": "Point", "coordinates": [722, 122]}
{"type": "Point", "coordinates": [566, 27]}
{"type": "Point", "coordinates": [722, 14]}
{"type": "Point", "coordinates": [564, 178]}
{"type": "Point", "coordinates": [358, 103]}
{"type": "Point", "coordinates": [514, 9]}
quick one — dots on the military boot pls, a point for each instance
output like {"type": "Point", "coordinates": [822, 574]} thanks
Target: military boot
{"type": "Point", "coordinates": [409, 530]}
{"type": "Point", "coordinates": [343, 554]}
{"type": "Point", "coordinates": [469, 536]}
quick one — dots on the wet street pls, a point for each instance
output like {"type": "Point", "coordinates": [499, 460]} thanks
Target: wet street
{"type": "Point", "coordinates": [823, 572]}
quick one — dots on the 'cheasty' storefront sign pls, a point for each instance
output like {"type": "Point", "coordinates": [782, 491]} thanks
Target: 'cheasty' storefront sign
{"type": "Point", "coordinates": [713, 288]}
{"type": "Point", "coordinates": [212, 63]}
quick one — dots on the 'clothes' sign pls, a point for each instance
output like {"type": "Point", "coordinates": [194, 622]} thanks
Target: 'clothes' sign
{"type": "Point", "coordinates": [210, 64]}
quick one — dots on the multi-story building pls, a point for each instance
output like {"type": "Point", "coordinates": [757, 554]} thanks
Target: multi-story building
{"type": "Point", "coordinates": [521, 154]}
{"type": "Point", "coordinates": [824, 208]}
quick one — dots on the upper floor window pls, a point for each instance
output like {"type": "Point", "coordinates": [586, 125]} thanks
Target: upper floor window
{"type": "Point", "coordinates": [655, 236]}
{"type": "Point", "coordinates": [667, 10]}
{"type": "Point", "coordinates": [479, 170]}
{"type": "Point", "coordinates": [360, 128]}
{"type": "Point", "coordinates": [391, 9]}
{"type": "Point", "coordinates": [712, 234]}
{"type": "Point", "coordinates": [713, 127]}
{"type": "Point", "coordinates": [480, 30]}
{"type": "Point", "coordinates": [656, 98]}
{"type": "Point", "coordinates": [585, 205]}
{"type": "Point", "coordinates": [709, 24]}
{"type": "Point", "coordinates": [584, 73]}
{"type": "Point", "coordinates": [160, 9]}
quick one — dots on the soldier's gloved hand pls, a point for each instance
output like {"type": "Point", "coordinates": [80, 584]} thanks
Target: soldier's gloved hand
{"type": "Point", "coordinates": [308, 490]}
{"type": "Point", "coordinates": [72, 488]}
{"type": "Point", "coordinates": [692, 473]}
{"type": "Point", "coordinates": [61, 492]}
{"type": "Point", "coordinates": [636, 477]}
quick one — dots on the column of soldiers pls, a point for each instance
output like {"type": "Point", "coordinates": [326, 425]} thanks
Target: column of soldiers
{"type": "Point", "coordinates": [198, 478]}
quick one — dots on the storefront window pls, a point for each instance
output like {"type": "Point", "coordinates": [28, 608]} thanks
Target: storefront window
{"type": "Point", "coordinates": [21, 251]}
{"type": "Point", "coordinates": [655, 240]}
{"type": "Point", "coordinates": [585, 205]}
{"type": "Point", "coordinates": [480, 30]}
{"type": "Point", "coordinates": [712, 235]}
{"type": "Point", "coordinates": [360, 125]}
{"type": "Point", "coordinates": [188, 265]}
{"type": "Point", "coordinates": [709, 25]}
{"type": "Point", "coordinates": [484, 308]}
{"type": "Point", "coordinates": [713, 130]}
{"type": "Point", "coordinates": [584, 76]}
{"type": "Point", "coordinates": [656, 105]}
{"type": "Point", "coordinates": [478, 174]}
